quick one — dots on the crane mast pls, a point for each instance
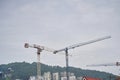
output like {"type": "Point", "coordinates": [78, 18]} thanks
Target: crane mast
{"type": "Point", "coordinates": [39, 50]}
{"type": "Point", "coordinates": [38, 64]}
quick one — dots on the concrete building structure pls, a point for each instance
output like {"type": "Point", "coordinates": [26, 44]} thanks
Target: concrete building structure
{"type": "Point", "coordinates": [79, 78]}
{"type": "Point", "coordinates": [55, 76]}
{"type": "Point", "coordinates": [47, 76]}
{"type": "Point", "coordinates": [72, 77]}
{"type": "Point", "coordinates": [63, 78]}
{"type": "Point", "coordinates": [32, 78]}
{"type": "Point", "coordinates": [62, 74]}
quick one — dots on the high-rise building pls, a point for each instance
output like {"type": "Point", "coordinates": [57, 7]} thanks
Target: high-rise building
{"type": "Point", "coordinates": [62, 74]}
{"type": "Point", "coordinates": [47, 76]}
{"type": "Point", "coordinates": [32, 78]}
{"type": "Point", "coordinates": [79, 78]}
{"type": "Point", "coordinates": [63, 78]}
{"type": "Point", "coordinates": [56, 76]}
{"type": "Point", "coordinates": [72, 77]}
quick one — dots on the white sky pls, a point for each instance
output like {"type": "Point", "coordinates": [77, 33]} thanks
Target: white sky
{"type": "Point", "coordinates": [57, 24]}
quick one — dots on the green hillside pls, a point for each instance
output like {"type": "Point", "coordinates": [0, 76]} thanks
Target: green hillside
{"type": "Point", "coordinates": [23, 70]}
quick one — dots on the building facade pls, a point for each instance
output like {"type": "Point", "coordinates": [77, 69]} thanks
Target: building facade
{"type": "Point", "coordinates": [55, 76]}
{"type": "Point", "coordinates": [47, 76]}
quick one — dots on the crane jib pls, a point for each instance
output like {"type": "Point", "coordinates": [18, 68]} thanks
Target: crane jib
{"type": "Point", "coordinates": [82, 44]}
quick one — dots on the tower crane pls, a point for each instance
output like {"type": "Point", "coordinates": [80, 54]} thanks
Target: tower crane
{"type": "Point", "coordinates": [39, 49]}
{"type": "Point", "coordinates": [109, 64]}
{"type": "Point", "coordinates": [75, 46]}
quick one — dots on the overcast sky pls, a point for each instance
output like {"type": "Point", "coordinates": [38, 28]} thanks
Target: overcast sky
{"type": "Point", "coordinates": [57, 24]}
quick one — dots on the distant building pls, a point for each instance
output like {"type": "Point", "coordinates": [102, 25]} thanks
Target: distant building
{"type": "Point", "coordinates": [71, 74]}
{"type": "Point", "coordinates": [32, 78]}
{"type": "Point", "coordinates": [63, 78]}
{"type": "Point", "coordinates": [47, 76]}
{"type": "Point", "coordinates": [1, 74]}
{"type": "Point", "coordinates": [72, 77]}
{"type": "Point", "coordinates": [62, 74]}
{"type": "Point", "coordinates": [35, 78]}
{"type": "Point", "coordinates": [56, 76]}
{"type": "Point", "coordinates": [79, 78]}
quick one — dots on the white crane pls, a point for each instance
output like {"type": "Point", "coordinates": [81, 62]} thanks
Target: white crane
{"type": "Point", "coordinates": [39, 49]}
{"type": "Point", "coordinates": [77, 45]}
{"type": "Point", "coordinates": [108, 64]}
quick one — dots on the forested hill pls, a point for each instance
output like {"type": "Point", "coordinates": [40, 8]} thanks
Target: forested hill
{"type": "Point", "coordinates": [23, 70]}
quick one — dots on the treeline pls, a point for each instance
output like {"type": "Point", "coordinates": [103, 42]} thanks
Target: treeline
{"type": "Point", "coordinates": [23, 70]}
